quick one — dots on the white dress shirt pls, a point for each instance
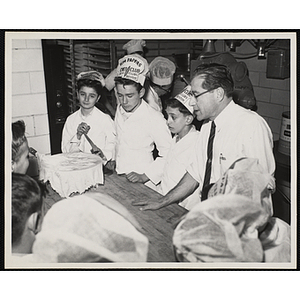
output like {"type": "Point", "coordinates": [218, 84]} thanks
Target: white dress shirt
{"type": "Point", "coordinates": [239, 133]}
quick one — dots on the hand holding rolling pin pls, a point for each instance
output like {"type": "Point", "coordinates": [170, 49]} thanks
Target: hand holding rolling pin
{"type": "Point", "coordinates": [95, 149]}
{"type": "Point", "coordinates": [82, 128]}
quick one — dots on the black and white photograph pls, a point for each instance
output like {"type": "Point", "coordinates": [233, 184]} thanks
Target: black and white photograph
{"type": "Point", "coordinates": [150, 150]}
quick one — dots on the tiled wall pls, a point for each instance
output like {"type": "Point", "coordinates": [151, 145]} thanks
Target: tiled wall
{"type": "Point", "coordinates": [28, 92]}
{"type": "Point", "coordinates": [29, 96]}
{"type": "Point", "coordinates": [272, 95]}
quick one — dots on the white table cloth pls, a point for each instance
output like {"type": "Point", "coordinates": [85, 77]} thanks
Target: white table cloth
{"type": "Point", "coordinates": [71, 172]}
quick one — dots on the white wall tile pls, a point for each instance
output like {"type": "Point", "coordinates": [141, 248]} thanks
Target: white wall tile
{"type": "Point", "coordinates": [28, 88]}
{"type": "Point", "coordinates": [27, 60]}
{"type": "Point", "coordinates": [34, 43]}
{"type": "Point", "coordinates": [254, 78]}
{"type": "Point", "coordinates": [262, 94]}
{"type": "Point", "coordinates": [41, 124]}
{"type": "Point", "coordinates": [20, 83]}
{"type": "Point", "coordinates": [280, 97]}
{"type": "Point", "coordinates": [28, 105]}
{"type": "Point", "coordinates": [37, 82]}
{"type": "Point", "coordinates": [18, 44]}
{"type": "Point", "coordinates": [40, 143]}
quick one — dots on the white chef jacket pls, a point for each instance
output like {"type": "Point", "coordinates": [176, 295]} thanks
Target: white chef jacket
{"type": "Point", "coordinates": [176, 164]}
{"type": "Point", "coordinates": [239, 133]}
{"type": "Point", "coordinates": [136, 134]}
{"type": "Point", "coordinates": [102, 133]}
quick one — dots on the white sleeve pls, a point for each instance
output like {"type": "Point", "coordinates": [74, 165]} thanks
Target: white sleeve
{"type": "Point", "coordinates": [109, 149]}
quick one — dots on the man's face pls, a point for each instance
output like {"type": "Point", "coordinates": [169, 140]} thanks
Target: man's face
{"type": "Point", "coordinates": [130, 98]}
{"type": "Point", "coordinates": [87, 97]}
{"type": "Point", "coordinates": [205, 105]}
{"type": "Point", "coordinates": [22, 164]}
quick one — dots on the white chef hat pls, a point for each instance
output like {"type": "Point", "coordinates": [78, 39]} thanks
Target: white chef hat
{"type": "Point", "coordinates": [92, 75]}
{"type": "Point", "coordinates": [133, 67]}
{"type": "Point", "coordinates": [185, 97]}
{"type": "Point", "coordinates": [162, 71]}
{"type": "Point", "coordinates": [134, 46]}
{"type": "Point", "coordinates": [89, 229]}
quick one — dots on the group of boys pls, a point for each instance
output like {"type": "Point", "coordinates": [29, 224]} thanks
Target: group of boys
{"type": "Point", "coordinates": [179, 171]}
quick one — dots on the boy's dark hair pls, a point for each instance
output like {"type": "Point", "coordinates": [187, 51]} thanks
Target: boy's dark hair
{"type": "Point", "coordinates": [18, 139]}
{"type": "Point", "coordinates": [90, 83]}
{"type": "Point", "coordinates": [125, 81]}
{"type": "Point", "coordinates": [174, 103]}
{"type": "Point", "coordinates": [215, 75]}
{"type": "Point", "coordinates": [26, 199]}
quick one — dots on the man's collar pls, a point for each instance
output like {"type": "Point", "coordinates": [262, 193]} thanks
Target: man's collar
{"type": "Point", "coordinates": [224, 115]}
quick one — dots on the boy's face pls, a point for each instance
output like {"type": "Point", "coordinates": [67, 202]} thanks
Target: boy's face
{"type": "Point", "coordinates": [22, 164]}
{"type": "Point", "coordinates": [176, 121]}
{"type": "Point", "coordinates": [87, 97]}
{"type": "Point", "coordinates": [130, 98]}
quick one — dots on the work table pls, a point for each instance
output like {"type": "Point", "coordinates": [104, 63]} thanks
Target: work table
{"type": "Point", "coordinates": [157, 226]}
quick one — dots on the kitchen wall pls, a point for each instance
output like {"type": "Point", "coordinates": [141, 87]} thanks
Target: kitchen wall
{"type": "Point", "coordinates": [28, 92]}
{"type": "Point", "coordinates": [272, 95]}
{"type": "Point", "coordinates": [29, 96]}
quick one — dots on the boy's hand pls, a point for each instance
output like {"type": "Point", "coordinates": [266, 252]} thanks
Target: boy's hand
{"type": "Point", "coordinates": [148, 205]}
{"type": "Point", "coordinates": [135, 177]}
{"type": "Point", "coordinates": [82, 128]}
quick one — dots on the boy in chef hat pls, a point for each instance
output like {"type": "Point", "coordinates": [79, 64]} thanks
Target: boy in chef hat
{"type": "Point", "coordinates": [88, 119]}
{"type": "Point", "coordinates": [138, 125]}
{"type": "Point", "coordinates": [179, 119]}
{"type": "Point", "coordinates": [161, 72]}
{"type": "Point", "coordinates": [131, 47]}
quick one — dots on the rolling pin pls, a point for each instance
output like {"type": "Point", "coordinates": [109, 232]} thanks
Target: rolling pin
{"type": "Point", "coordinates": [95, 149]}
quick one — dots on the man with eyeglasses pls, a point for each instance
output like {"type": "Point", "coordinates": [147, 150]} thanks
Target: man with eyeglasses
{"type": "Point", "coordinates": [231, 131]}
{"type": "Point", "coordinates": [159, 82]}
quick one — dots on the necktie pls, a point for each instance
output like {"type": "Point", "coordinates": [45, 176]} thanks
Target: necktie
{"type": "Point", "coordinates": [207, 175]}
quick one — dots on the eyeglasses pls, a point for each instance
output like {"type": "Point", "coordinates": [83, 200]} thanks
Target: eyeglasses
{"type": "Point", "coordinates": [162, 88]}
{"type": "Point", "coordinates": [37, 221]}
{"type": "Point", "coordinates": [197, 96]}
{"type": "Point", "coordinates": [34, 227]}
{"type": "Point", "coordinates": [37, 224]}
